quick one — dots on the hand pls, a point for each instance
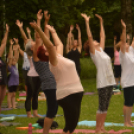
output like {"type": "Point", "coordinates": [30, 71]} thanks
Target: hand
{"type": "Point", "coordinates": [71, 28]}
{"type": "Point", "coordinates": [16, 40]}
{"type": "Point", "coordinates": [51, 29]}
{"type": "Point", "coordinates": [77, 27]}
{"type": "Point", "coordinates": [11, 42]}
{"type": "Point", "coordinates": [123, 24]}
{"type": "Point", "coordinates": [34, 25]}
{"type": "Point", "coordinates": [115, 38]}
{"type": "Point", "coordinates": [28, 30]}
{"type": "Point", "coordinates": [19, 24]}
{"type": "Point", "coordinates": [85, 16]}
{"type": "Point", "coordinates": [128, 36]}
{"type": "Point", "coordinates": [99, 17]}
{"type": "Point", "coordinates": [46, 15]}
{"type": "Point", "coordinates": [39, 15]}
{"type": "Point", "coordinates": [15, 47]}
{"type": "Point", "coordinates": [7, 28]}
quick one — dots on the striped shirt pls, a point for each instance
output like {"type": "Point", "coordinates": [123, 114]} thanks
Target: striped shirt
{"type": "Point", "coordinates": [46, 77]}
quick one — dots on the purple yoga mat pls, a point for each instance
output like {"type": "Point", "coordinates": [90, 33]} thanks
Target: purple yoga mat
{"type": "Point", "coordinates": [6, 109]}
{"type": "Point", "coordinates": [89, 93]}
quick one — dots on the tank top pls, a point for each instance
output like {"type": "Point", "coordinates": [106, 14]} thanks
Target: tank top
{"type": "Point", "coordinates": [46, 77]}
{"type": "Point", "coordinates": [116, 58]}
{"type": "Point", "coordinates": [74, 55]}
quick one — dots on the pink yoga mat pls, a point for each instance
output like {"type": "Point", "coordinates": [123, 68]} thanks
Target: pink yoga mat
{"type": "Point", "coordinates": [57, 131]}
{"type": "Point", "coordinates": [22, 94]}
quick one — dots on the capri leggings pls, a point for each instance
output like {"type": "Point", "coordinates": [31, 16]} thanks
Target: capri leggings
{"type": "Point", "coordinates": [33, 88]}
{"type": "Point", "coordinates": [129, 96]}
{"type": "Point", "coordinates": [52, 105]}
{"type": "Point", "coordinates": [104, 98]}
{"type": "Point", "coordinates": [71, 107]}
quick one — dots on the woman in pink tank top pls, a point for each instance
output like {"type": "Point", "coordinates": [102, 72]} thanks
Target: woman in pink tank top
{"type": "Point", "coordinates": [117, 65]}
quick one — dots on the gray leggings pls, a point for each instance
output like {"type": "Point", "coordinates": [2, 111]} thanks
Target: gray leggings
{"type": "Point", "coordinates": [104, 98]}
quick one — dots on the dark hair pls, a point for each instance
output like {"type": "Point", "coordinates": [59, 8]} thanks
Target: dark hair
{"type": "Point", "coordinates": [86, 47]}
{"type": "Point", "coordinates": [41, 54]}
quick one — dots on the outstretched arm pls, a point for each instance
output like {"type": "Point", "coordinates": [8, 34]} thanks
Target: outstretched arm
{"type": "Point", "coordinates": [4, 41]}
{"type": "Point", "coordinates": [132, 43]}
{"type": "Point", "coordinates": [123, 37]}
{"type": "Point", "coordinates": [47, 43]}
{"type": "Point", "coordinates": [56, 39]}
{"type": "Point", "coordinates": [47, 17]}
{"type": "Point", "coordinates": [102, 32]}
{"type": "Point", "coordinates": [20, 25]}
{"type": "Point", "coordinates": [79, 38]}
{"type": "Point", "coordinates": [115, 38]}
{"type": "Point", "coordinates": [29, 33]}
{"type": "Point", "coordinates": [89, 34]}
{"type": "Point", "coordinates": [67, 45]}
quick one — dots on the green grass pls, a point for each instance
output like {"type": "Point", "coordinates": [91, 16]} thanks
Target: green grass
{"type": "Point", "coordinates": [88, 108]}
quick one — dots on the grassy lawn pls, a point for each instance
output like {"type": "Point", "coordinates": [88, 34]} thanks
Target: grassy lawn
{"type": "Point", "coordinates": [88, 108]}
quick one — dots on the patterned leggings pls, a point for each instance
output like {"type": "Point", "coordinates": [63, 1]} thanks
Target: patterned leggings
{"type": "Point", "coordinates": [104, 98]}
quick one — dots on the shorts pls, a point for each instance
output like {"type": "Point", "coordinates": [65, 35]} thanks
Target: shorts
{"type": "Point", "coordinates": [117, 71]}
{"type": "Point", "coordinates": [12, 88]}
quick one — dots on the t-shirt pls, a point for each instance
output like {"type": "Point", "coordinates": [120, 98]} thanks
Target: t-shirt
{"type": "Point", "coordinates": [127, 65]}
{"type": "Point", "coordinates": [67, 79]}
{"type": "Point", "coordinates": [14, 76]}
{"type": "Point", "coordinates": [103, 65]}
{"type": "Point", "coordinates": [32, 72]}
{"type": "Point", "coordinates": [26, 64]}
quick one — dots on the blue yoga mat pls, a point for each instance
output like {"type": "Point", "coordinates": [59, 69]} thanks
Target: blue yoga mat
{"type": "Point", "coordinates": [21, 115]}
{"type": "Point", "coordinates": [93, 123]}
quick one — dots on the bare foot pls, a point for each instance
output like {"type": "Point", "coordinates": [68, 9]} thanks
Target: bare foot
{"type": "Point", "coordinates": [37, 116]}
{"type": "Point", "coordinates": [104, 131]}
{"type": "Point", "coordinates": [30, 116]}
{"type": "Point", "coordinates": [98, 132]}
{"type": "Point", "coordinates": [128, 125]}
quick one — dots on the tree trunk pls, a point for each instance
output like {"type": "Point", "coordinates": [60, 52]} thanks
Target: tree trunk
{"type": "Point", "coordinates": [126, 15]}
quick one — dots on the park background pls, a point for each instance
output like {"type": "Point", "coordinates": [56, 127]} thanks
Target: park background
{"type": "Point", "coordinates": [63, 14]}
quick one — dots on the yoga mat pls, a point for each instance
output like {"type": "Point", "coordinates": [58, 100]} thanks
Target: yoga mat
{"type": "Point", "coordinates": [9, 118]}
{"type": "Point", "coordinates": [24, 98]}
{"type": "Point", "coordinates": [10, 123]}
{"type": "Point", "coordinates": [89, 93]}
{"type": "Point", "coordinates": [22, 115]}
{"type": "Point", "coordinates": [18, 106]}
{"type": "Point", "coordinates": [22, 94]}
{"type": "Point", "coordinates": [6, 109]}
{"type": "Point", "coordinates": [93, 123]}
{"type": "Point", "coordinates": [36, 125]}
{"type": "Point", "coordinates": [23, 128]}
{"type": "Point", "coordinates": [83, 131]}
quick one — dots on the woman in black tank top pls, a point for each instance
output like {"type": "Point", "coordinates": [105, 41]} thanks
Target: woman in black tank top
{"type": "Point", "coordinates": [3, 74]}
{"type": "Point", "coordinates": [73, 48]}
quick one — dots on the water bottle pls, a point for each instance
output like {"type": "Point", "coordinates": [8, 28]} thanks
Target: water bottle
{"type": "Point", "coordinates": [29, 128]}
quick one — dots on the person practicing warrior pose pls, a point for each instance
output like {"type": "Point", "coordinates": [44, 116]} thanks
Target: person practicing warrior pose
{"type": "Point", "coordinates": [69, 88]}
{"type": "Point", "coordinates": [32, 78]}
{"type": "Point", "coordinates": [48, 83]}
{"type": "Point", "coordinates": [127, 75]}
{"type": "Point", "coordinates": [105, 76]}
{"type": "Point", "coordinates": [13, 81]}
{"type": "Point", "coordinates": [74, 47]}
{"type": "Point", "coordinates": [3, 74]}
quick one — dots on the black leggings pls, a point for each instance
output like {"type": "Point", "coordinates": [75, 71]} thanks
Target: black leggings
{"type": "Point", "coordinates": [71, 107]}
{"type": "Point", "coordinates": [33, 88]}
{"type": "Point", "coordinates": [52, 105]}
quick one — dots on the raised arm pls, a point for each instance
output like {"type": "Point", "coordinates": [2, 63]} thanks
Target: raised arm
{"type": "Point", "coordinates": [4, 41]}
{"type": "Point", "coordinates": [123, 37]}
{"type": "Point", "coordinates": [67, 45]}
{"type": "Point", "coordinates": [89, 34]}
{"type": "Point", "coordinates": [71, 38]}
{"type": "Point", "coordinates": [79, 38]}
{"type": "Point", "coordinates": [132, 43]}
{"type": "Point", "coordinates": [28, 32]}
{"type": "Point", "coordinates": [115, 38]}
{"type": "Point", "coordinates": [47, 43]}
{"type": "Point", "coordinates": [47, 17]}
{"type": "Point", "coordinates": [56, 39]}
{"type": "Point", "coordinates": [10, 54]}
{"type": "Point", "coordinates": [16, 50]}
{"type": "Point", "coordinates": [102, 32]}
{"type": "Point", "coordinates": [20, 25]}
